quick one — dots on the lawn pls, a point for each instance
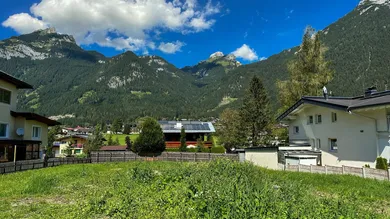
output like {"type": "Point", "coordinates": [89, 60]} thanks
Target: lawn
{"type": "Point", "coordinates": [122, 138]}
{"type": "Point", "coordinates": [220, 189]}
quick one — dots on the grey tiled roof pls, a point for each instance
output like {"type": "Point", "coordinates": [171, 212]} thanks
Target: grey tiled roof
{"type": "Point", "coordinates": [343, 103]}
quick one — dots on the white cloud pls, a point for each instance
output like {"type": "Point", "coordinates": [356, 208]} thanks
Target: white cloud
{"type": "Point", "coordinates": [246, 53]}
{"type": "Point", "coordinates": [121, 24]}
{"type": "Point", "coordinates": [263, 59]}
{"type": "Point", "coordinates": [172, 47]}
{"type": "Point", "coordinates": [24, 23]}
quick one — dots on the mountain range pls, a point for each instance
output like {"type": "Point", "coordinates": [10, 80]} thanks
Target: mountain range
{"type": "Point", "coordinates": [79, 86]}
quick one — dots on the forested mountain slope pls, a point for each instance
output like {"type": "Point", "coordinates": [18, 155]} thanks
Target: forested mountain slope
{"type": "Point", "coordinates": [92, 87]}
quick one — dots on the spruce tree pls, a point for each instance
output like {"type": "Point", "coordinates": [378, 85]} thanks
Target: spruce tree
{"type": "Point", "coordinates": [309, 71]}
{"type": "Point", "coordinates": [128, 143]}
{"type": "Point", "coordinates": [256, 116]}
{"type": "Point", "coordinates": [110, 142]}
{"type": "Point", "coordinates": [151, 138]}
{"type": "Point", "coordinates": [183, 144]}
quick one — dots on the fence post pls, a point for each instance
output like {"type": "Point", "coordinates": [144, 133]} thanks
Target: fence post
{"type": "Point", "coordinates": [311, 168]}
{"type": "Point", "coordinates": [167, 157]}
{"type": "Point", "coordinates": [124, 156]}
{"type": "Point", "coordinates": [326, 169]}
{"type": "Point", "coordinates": [110, 157]}
{"type": "Point", "coordinates": [181, 156]}
{"type": "Point", "coordinates": [285, 167]}
{"type": "Point", "coordinates": [342, 169]}
{"type": "Point", "coordinates": [195, 157]}
{"type": "Point", "coordinates": [299, 168]}
{"type": "Point", "coordinates": [388, 174]}
{"type": "Point", "coordinates": [364, 172]}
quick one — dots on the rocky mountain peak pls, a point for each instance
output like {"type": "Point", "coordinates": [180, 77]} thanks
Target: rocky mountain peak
{"type": "Point", "coordinates": [376, 2]}
{"type": "Point", "coordinates": [217, 54]}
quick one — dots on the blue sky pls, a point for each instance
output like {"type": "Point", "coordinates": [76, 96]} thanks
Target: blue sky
{"type": "Point", "coordinates": [181, 31]}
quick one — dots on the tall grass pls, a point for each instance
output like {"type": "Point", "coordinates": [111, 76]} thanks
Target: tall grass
{"type": "Point", "coordinates": [220, 189]}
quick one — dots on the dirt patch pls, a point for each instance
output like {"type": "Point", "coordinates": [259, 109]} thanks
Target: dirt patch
{"type": "Point", "coordinates": [58, 200]}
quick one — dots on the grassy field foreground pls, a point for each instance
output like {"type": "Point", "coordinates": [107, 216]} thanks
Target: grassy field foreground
{"type": "Point", "coordinates": [220, 189]}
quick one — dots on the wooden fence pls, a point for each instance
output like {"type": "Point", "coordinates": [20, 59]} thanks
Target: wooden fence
{"type": "Point", "coordinates": [356, 171]}
{"type": "Point", "coordinates": [12, 167]}
{"type": "Point", "coordinates": [116, 156]}
{"type": "Point", "coordinates": [104, 156]}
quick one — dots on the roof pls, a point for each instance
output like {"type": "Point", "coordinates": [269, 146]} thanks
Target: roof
{"type": "Point", "coordinates": [77, 136]}
{"type": "Point", "coordinates": [18, 83]}
{"type": "Point", "coordinates": [342, 103]}
{"type": "Point", "coordinates": [36, 117]}
{"type": "Point", "coordinates": [113, 148]}
{"type": "Point", "coordinates": [73, 136]}
{"type": "Point", "coordinates": [18, 142]}
{"type": "Point", "coordinates": [189, 126]}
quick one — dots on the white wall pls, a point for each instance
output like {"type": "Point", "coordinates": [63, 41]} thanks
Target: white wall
{"type": "Point", "coordinates": [267, 159]}
{"type": "Point", "coordinates": [356, 135]}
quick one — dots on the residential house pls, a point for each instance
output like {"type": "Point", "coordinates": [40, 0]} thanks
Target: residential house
{"type": "Point", "coordinates": [23, 135]}
{"type": "Point", "coordinates": [351, 131]}
{"type": "Point", "coordinates": [75, 142]}
{"type": "Point", "coordinates": [194, 130]}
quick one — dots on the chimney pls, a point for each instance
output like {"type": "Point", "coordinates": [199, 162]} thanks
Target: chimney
{"type": "Point", "coordinates": [370, 91]}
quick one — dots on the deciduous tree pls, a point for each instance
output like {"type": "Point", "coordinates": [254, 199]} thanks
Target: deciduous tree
{"type": "Point", "coordinates": [95, 141]}
{"type": "Point", "coordinates": [309, 71]}
{"type": "Point", "coordinates": [230, 132]}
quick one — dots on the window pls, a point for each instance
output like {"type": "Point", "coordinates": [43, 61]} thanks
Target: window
{"type": "Point", "coordinates": [319, 143]}
{"type": "Point", "coordinates": [310, 120]}
{"type": "Point", "coordinates": [333, 145]}
{"type": "Point", "coordinates": [334, 117]}
{"type": "Point", "coordinates": [296, 129]}
{"type": "Point", "coordinates": [5, 96]}
{"type": "Point", "coordinates": [388, 122]}
{"type": "Point", "coordinates": [318, 119]}
{"type": "Point", "coordinates": [36, 132]}
{"type": "Point", "coordinates": [3, 130]}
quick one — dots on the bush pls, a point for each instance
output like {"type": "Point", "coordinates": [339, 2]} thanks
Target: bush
{"type": "Point", "coordinates": [381, 163]}
{"type": "Point", "coordinates": [151, 138]}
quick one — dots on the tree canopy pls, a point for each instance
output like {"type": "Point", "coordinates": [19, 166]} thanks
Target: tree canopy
{"type": "Point", "coordinates": [151, 138]}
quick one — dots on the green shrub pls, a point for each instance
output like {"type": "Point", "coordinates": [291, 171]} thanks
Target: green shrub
{"type": "Point", "coordinates": [151, 138]}
{"type": "Point", "coordinates": [381, 163]}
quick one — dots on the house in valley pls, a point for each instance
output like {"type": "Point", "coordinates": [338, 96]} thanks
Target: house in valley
{"type": "Point", "coordinates": [74, 142]}
{"type": "Point", "coordinates": [194, 130]}
{"type": "Point", "coordinates": [23, 135]}
{"type": "Point", "coordinates": [351, 131]}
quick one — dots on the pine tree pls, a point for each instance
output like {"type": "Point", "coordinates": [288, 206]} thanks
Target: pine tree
{"type": "Point", "coordinates": [104, 127]}
{"type": "Point", "coordinates": [127, 129]}
{"type": "Point", "coordinates": [256, 116]}
{"type": "Point", "coordinates": [128, 143]}
{"type": "Point", "coordinates": [309, 71]}
{"type": "Point", "coordinates": [110, 142]}
{"type": "Point", "coordinates": [116, 142]}
{"type": "Point", "coordinates": [151, 138]}
{"type": "Point", "coordinates": [183, 144]}
{"type": "Point", "coordinates": [116, 126]}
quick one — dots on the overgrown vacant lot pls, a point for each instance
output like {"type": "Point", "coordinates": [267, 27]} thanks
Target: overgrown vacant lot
{"type": "Point", "coordinates": [221, 189]}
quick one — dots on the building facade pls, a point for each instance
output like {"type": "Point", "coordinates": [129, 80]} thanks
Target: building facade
{"type": "Point", "coordinates": [22, 134]}
{"type": "Point", "coordinates": [348, 131]}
